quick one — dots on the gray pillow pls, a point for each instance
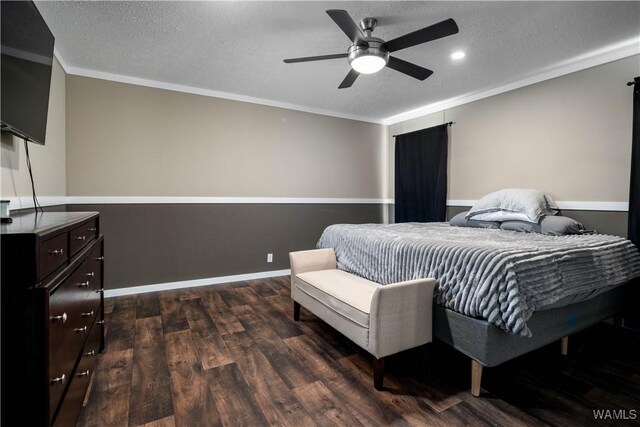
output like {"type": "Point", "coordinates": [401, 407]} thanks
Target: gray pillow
{"type": "Point", "coordinates": [460, 221]}
{"type": "Point", "coordinates": [551, 225]}
{"type": "Point", "coordinates": [561, 225]}
{"type": "Point", "coordinates": [513, 204]}
{"type": "Point", "coordinates": [521, 226]}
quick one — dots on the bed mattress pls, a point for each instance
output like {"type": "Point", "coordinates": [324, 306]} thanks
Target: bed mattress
{"type": "Point", "coordinates": [496, 275]}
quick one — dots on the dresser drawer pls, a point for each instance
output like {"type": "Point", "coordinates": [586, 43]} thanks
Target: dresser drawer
{"type": "Point", "coordinates": [52, 254]}
{"type": "Point", "coordinates": [72, 404]}
{"type": "Point", "coordinates": [80, 236]}
{"type": "Point", "coordinates": [93, 277]}
{"type": "Point", "coordinates": [69, 325]}
{"type": "Point", "coordinates": [94, 342]}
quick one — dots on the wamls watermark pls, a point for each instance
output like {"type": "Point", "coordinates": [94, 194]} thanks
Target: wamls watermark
{"type": "Point", "coordinates": [615, 414]}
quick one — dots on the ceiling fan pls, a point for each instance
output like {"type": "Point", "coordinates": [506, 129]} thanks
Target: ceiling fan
{"type": "Point", "coordinates": [368, 55]}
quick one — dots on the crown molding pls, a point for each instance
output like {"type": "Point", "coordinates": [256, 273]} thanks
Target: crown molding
{"type": "Point", "coordinates": [101, 75]}
{"type": "Point", "coordinates": [58, 56]}
{"type": "Point", "coordinates": [597, 57]}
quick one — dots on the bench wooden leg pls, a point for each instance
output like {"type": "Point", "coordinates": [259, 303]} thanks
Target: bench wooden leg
{"type": "Point", "coordinates": [425, 356]}
{"type": "Point", "coordinates": [564, 346]}
{"type": "Point", "coordinates": [476, 377]}
{"type": "Point", "coordinates": [618, 320]}
{"type": "Point", "coordinates": [296, 311]}
{"type": "Point", "coordinates": [378, 373]}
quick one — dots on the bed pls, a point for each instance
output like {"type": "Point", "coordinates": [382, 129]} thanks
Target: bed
{"type": "Point", "coordinates": [500, 294]}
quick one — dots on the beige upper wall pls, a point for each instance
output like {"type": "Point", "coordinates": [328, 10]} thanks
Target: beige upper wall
{"type": "Point", "coordinates": [48, 161]}
{"type": "Point", "coordinates": [569, 137]}
{"type": "Point", "coordinates": [126, 140]}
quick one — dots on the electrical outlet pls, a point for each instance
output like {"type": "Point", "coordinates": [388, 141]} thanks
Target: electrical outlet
{"type": "Point", "coordinates": [269, 257]}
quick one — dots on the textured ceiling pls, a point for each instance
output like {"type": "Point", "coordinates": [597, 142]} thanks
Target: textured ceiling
{"type": "Point", "coordinates": [238, 47]}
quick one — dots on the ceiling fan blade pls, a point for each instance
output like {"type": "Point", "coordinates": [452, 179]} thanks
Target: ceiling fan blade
{"type": "Point", "coordinates": [346, 24]}
{"type": "Point", "coordinates": [408, 68]}
{"type": "Point", "coordinates": [436, 31]}
{"type": "Point", "coordinates": [348, 81]}
{"type": "Point", "coordinates": [315, 58]}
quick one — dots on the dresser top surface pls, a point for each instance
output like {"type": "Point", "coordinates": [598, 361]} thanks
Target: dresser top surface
{"type": "Point", "coordinates": [44, 222]}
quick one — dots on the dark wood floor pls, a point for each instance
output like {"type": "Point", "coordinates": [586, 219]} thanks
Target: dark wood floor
{"type": "Point", "coordinates": [232, 355]}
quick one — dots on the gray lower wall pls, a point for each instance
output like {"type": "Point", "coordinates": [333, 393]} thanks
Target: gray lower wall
{"type": "Point", "coordinates": [604, 222]}
{"type": "Point", "coordinates": [158, 243]}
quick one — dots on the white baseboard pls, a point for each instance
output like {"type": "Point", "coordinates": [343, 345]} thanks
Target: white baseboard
{"type": "Point", "coordinates": [99, 200]}
{"type": "Point", "coordinates": [594, 206]}
{"type": "Point", "coordinates": [193, 283]}
{"type": "Point", "coordinates": [26, 202]}
{"type": "Point", "coordinates": [566, 205]}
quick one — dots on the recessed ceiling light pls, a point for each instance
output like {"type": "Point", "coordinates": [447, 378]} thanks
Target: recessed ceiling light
{"type": "Point", "coordinates": [458, 55]}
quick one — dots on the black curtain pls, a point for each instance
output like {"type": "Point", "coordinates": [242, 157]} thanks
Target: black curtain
{"type": "Point", "coordinates": [632, 316]}
{"type": "Point", "coordinates": [633, 230]}
{"type": "Point", "coordinates": [421, 175]}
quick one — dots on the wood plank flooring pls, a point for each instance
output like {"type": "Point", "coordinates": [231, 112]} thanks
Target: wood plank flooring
{"type": "Point", "coordinates": [231, 355]}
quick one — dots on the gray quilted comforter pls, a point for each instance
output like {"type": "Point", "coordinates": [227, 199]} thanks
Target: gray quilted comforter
{"type": "Point", "coordinates": [501, 276]}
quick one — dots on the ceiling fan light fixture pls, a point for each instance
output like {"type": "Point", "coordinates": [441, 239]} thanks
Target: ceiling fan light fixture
{"type": "Point", "coordinates": [368, 64]}
{"type": "Point", "coordinates": [368, 59]}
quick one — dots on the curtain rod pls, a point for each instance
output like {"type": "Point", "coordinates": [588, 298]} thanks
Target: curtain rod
{"type": "Point", "coordinates": [446, 124]}
{"type": "Point", "coordinates": [635, 80]}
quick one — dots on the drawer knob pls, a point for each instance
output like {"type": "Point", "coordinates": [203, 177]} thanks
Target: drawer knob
{"type": "Point", "coordinates": [100, 322]}
{"type": "Point", "coordinates": [56, 252]}
{"type": "Point", "coordinates": [83, 284]}
{"type": "Point", "coordinates": [90, 353]}
{"type": "Point", "coordinates": [92, 229]}
{"type": "Point", "coordinates": [87, 314]}
{"type": "Point", "coordinates": [100, 258]}
{"type": "Point", "coordinates": [58, 380]}
{"type": "Point", "coordinates": [83, 374]}
{"type": "Point", "coordinates": [80, 237]}
{"type": "Point", "coordinates": [82, 330]}
{"type": "Point", "coordinates": [100, 291]}
{"type": "Point", "coordinates": [90, 274]}
{"type": "Point", "coordinates": [61, 318]}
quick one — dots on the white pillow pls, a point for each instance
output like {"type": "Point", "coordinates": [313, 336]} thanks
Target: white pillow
{"type": "Point", "coordinates": [501, 216]}
{"type": "Point", "coordinates": [513, 204]}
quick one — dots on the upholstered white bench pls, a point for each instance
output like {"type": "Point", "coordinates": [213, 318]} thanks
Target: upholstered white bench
{"type": "Point", "coordinates": [383, 320]}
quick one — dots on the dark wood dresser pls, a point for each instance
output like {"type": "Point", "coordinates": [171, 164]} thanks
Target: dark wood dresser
{"type": "Point", "coordinates": [52, 315]}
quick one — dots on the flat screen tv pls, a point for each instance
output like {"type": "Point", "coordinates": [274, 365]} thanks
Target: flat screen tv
{"type": "Point", "coordinates": [27, 59]}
